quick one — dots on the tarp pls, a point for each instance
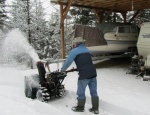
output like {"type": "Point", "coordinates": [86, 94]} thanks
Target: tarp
{"type": "Point", "coordinates": [92, 35]}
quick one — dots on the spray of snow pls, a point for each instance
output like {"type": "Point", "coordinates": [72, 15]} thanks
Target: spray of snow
{"type": "Point", "coordinates": [17, 51]}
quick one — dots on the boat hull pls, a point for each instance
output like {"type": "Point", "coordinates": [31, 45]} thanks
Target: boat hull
{"type": "Point", "coordinates": [113, 47]}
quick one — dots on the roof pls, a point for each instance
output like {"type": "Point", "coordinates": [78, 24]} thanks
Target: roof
{"type": "Point", "coordinates": [116, 5]}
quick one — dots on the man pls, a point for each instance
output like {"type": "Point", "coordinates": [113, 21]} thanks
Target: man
{"type": "Point", "coordinates": [87, 75]}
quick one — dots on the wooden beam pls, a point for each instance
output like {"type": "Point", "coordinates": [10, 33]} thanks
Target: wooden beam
{"type": "Point", "coordinates": [99, 14]}
{"type": "Point", "coordinates": [114, 16]}
{"type": "Point", "coordinates": [137, 12]}
{"type": "Point", "coordinates": [122, 5]}
{"type": "Point", "coordinates": [63, 13]}
{"type": "Point", "coordinates": [124, 16]}
{"type": "Point", "coordinates": [109, 13]}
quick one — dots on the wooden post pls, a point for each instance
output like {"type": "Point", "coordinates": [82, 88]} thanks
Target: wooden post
{"type": "Point", "coordinates": [114, 16]}
{"type": "Point", "coordinates": [63, 13]}
{"type": "Point", "coordinates": [99, 14]}
{"type": "Point", "coordinates": [62, 32]}
{"type": "Point", "coordinates": [109, 12]}
{"type": "Point", "coordinates": [124, 16]}
{"type": "Point", "coordinates": [137, 12]}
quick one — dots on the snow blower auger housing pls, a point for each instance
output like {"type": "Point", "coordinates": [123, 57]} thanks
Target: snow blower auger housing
{"type": "Point", "coordinates": [45, 85]}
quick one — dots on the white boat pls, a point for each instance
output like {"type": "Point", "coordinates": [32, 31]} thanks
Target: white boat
{"type": "Point", "coordinates": [119, 40]}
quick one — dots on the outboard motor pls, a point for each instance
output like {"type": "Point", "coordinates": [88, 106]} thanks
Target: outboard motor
{"type": "Point", "coordinates": [136, 67]}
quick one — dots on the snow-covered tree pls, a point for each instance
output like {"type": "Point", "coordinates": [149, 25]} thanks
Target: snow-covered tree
{"type": "Point", "coordinates": [2, 13]}
{"type": "Point", "coordinates": [19, 15]}
{"type": "Point", "coordinates": [53, 42]}
{"type": "Point", "coordinates": [88, 17]}
{"type": "Point", "coordinates": [39, 29]}
{"type": "Point", "coordinates": [31, 19]}
{"type": "Point", "coordinates": [83, 16]}
{"type": "Point", "coordinates": [53, 48]}
{"type": "Point", "coordinates": [144, 15]}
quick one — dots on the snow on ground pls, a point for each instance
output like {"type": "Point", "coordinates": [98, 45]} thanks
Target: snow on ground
{"type": "Point", "coordinates": [120, 93]}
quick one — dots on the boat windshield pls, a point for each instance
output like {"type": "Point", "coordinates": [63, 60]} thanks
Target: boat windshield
{"type": "Point", "coordinates": [124, 29]}
{"type": "Point", "coordinates": [114, 30]}
{"type": "Point", "coordinates": [134, 29]}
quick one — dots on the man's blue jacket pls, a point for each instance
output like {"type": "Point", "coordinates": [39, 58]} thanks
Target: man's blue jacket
{"type": "Point", "coordinates": [82, 57]}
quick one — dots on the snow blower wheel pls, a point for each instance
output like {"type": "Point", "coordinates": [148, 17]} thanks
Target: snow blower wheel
{"type": "Point", "coordinates": [43, 94]}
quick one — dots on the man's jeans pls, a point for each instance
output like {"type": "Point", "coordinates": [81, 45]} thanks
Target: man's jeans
{"type": "Point", "coordinates": [82, 84]}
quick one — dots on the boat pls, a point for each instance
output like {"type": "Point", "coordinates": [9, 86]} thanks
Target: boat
{"type": "Point", "coordinates": [119, 40]}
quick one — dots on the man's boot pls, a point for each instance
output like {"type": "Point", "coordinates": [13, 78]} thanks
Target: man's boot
{"type": "Point", "coordinates": [80, 106]}
{"type": "Point", "coordinates": [95, 105]}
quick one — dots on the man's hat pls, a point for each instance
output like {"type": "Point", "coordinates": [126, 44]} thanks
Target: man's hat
{"type": "Point", "coordinates": [78, 40]}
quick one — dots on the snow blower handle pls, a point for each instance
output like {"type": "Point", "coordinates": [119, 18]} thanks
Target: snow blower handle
{"type": "Point", "coordinates": [71, 70]}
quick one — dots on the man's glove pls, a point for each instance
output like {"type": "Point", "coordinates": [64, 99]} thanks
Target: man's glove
{"type": "Point", "coordinates": [63, 73]}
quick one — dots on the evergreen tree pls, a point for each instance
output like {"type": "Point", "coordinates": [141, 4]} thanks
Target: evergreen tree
{"type": "Point", "coordinates": [37, 26]}
{"type": "Point", "coordinates": [2, 13]}
{"type": "Point", "coordinates": [145, 15]}
{"type": "Point", "coordinates": [53, 47]}
{"type": "Point", "coordinates": [88, 17]}
{"type": "Point", "coordinates": [19, 17]}
{"type": "Point", "coordinates": [83, 16]}
{"type": "Point", "coordinates": [39, 29]}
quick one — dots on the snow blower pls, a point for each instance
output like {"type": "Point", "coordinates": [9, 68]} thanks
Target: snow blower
{"type": "Point", "coordinates": [45, 85]}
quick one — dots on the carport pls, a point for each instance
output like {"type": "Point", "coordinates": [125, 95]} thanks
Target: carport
{"type": "Point", "coordinates": [99, 7]}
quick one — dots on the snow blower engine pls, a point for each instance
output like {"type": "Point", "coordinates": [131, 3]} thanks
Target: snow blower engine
{"type": "Point", "coordinates": [45, 85]}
